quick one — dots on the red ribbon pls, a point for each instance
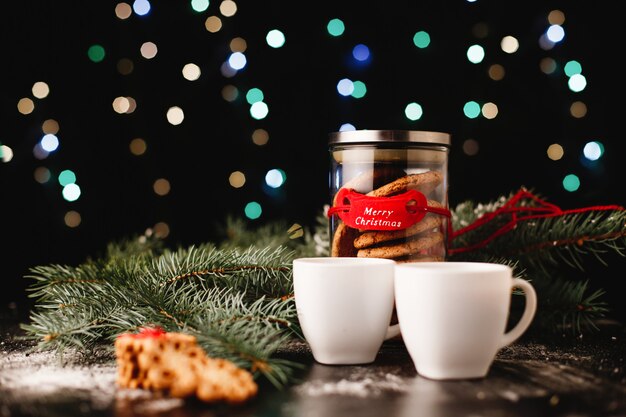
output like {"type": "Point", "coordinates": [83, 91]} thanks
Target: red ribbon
{"type": "Point", "coordinates": [512, 207]}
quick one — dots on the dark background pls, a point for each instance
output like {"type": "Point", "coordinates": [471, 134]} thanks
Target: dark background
{"type": "Point", "coordinates": [48, 41]}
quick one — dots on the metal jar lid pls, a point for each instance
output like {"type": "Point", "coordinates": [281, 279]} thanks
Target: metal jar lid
{"type": "Point", "coordinates": [389, 136]}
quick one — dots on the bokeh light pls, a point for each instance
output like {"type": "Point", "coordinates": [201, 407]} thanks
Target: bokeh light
{"type": "Point", "coordinates": [556, 17]}
{"type": "Point", "coordinates": [509, 44]}
{"type": "Point", "coordinates": [228, 8]}
{"type": "Point", "coordinates": [191, 72]}
{"type": "Point", "coordinates": [571, 183]}
{"type": "Point", "coordinates": [25, 105]}
{"type": "Point", "coordinates": [260, 137]}
{"type": "Point", "coordinates": [345, 87]}
{"type": "Point", "coordinates": [237, 179]}
{"type": "Point", "coordinates": [577, 83]}
{"type": "Point", "coordinates": [496, 72]}
{"type": "Point", "coordinates": [346, 127]}
{"type": "Point", "coordinates": [254, 94]}
{"type": "Point", "coordinates": [470, 147]}
{"type": "Point", "coordinates": [121, 105]}
{"type": "Point", "coordinates": [237, 60]}
{"type": "Point", "coordinates": [40, 90]}
{"type": "Point", "coordinates": [66, 177]}
{"type": "Point", "coordinates": [361, 52]}
{"type": "Point", "coordinates": [593, 150]}
{"type": "Point", "coordinates": [71, 192]}
{"type": "Point", "coordinates": [6, 153]}
{"type": "Point", "coordinates": [489, 111]}
{"type": "Point", "coordinates": [555, 33]}
{"type": "Point", "coordinates": [555, 152]}
{"type": "Point", "coordinates": [230, 93]}
{"type": "Point", "coordinates": [421, 39]}
{"type": "Point", "coordinates": [49, 142]}
{"type": "Point", "coordinates": [161, 230]}
{"type": "Point", "coordinates": [175, 115]}
{"type": "Point", "coordinates": [471, 109]}
{"type": "Point", "coordinates": [42, 175]}
{"type": "Point", "coordinates": [275, 178]}
{"type": "Point", "coordinates": [275, 38]}
{"type": "Point", "coordinates": [125, 66]}
{"type": "Point", "coordinates": [413, 111]}
{"type": "Point", "coordinates": [161, 187]}
{"type": "Point", "coordinates": [253, 210]}
{"type": "Point", "coordinates": [335, 27]}
{"type": "Point", "coordinates": [572, 68]}
{"type": "Point", "coordinates": [138, 146]}
{"type": "Point", "coordinates": [96, 53]}
{"type": "Point", "coordinates": [475, 54]}
{"type": "Point", "coordinates": [259, 110]}
{"type": "Point", "coordinates": [72, 219]}
{"type": "Point", "coordinates": [199, 5]}
{"type": "Point", "coordinates": [578, 109]}
{"type": "Point", "coordinates": [359, 89]}
{"type": "Point", "coordinates": [141, 7]}
{"type": "Point", "coordinates": [213, 24]}
{"type": "Point", "coordinates": [238, 45]}
{"type": "Point", "coordinates": [50, 126]}
{"type": "Point", "coordinates": [123, 11]}
{"type": "Point", "coordinates": [149, 50]}
{"type": "Point", "coordinates": [547, 65]}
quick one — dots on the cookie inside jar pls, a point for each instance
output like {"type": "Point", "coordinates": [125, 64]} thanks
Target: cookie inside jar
{"type": "Point", "coordinates": [382, 172]}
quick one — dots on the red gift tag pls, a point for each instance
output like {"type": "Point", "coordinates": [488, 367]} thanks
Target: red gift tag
{"type": "Point", "coordinates": [396, 212]}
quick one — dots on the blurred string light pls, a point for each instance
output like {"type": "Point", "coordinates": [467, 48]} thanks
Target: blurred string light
{"type": "Point", "coordinates": [148, 50]}
{"type": "Point", "coordinates": [475, 54]}
{"type": "Point", "coordinates": [556, 17]}
{"type": "Point", "coordinates": [161, 230]}
{"type": "Point", "coordinates": [345, 87]}
{"type": "Point", "coordinates": [421, 39]}
{"type": "Point", "coordinates": [123, 11]}
{"type": "Point", "coordinates": [275, 38]}
{"type": "Point", "coordinates": [230, 93]}
{"type": "Point", "coordinates": [361, 53]}
{"type": "Point", "coordinates": [335, 27]}
{"type": "Point", "coordinates": [40, 90]}
{"type": "Point", "coordinates": [577, 83]}
{"type": "Point", "coordinates": [509, 44]}
{"type": "Point", "coordinates": [238, 44]}
{"type": "Point", "coordinates": [571, 183]}
{"type": "Point", "coordinates": [72, 219]}
{"type": "Point", "coordinates": [191, 72]}
{"type": "Point", "coordinates": [259, 110]}
{"type": "Point", "coordinates": [253, 210]}
{"type": "Point", "coordinates": [547, 65]}
{"type": "Point", "coordinates": [96, 53]}
{"type": "Point", "coordinates": [470, 147]}
{"type": "Point", "coordinates": [578, 109]}
{"type": "Point", "coordinates": [254, 95]}
{"type": "Point", "coordinates": [346, 127]}
{"type": "Point", "coordinates": [71, 192]}
{"type": "Point", "coordinates": [553, 35]}
{"type": "Point", "coordinates": [42, 175]}
{"type": "Point", "coordinates": [161, 187]}
{"type": "Point", "coordinates": [25, 105]}
{"type": "Point", "coordinates": [471, 110]}
{"type": "Point", "coordinates": [199, 5]}
{"type": "Point", "coordinates": [555, 152]}
{"type": "Point", "coordinates": [593, 150]}
{"type": "Point", "coordinates": [213, 24]}
{"type": "Point", "coordinates": [237, 179]}
{"type": "Point", "coordinates": [175, 115]}
{"type": "Point", "coordinates": [6, 153]}
{"type": "Point", "coordinates": [227, 71]}
{"type": "Point", "coordinates": [125, 66]}
{"type": "Point", "coordinates": [228, 8]}
{"type": "Point", "coordinates": [138, 146]}
{"type": "Point", "coordinates": [275, 178]}
{"type": "Point", "coordinates": [496, 72]}
{"type": "Point", "coordinates": [141, 7]}
{"type": "Point", "coordinates": [572, 68]}
{"type": "Point", "coordinates": [50, 126]}
{"type": "Point", "coordinates": [413, 111]}
{"type": "Point", "coordinates": [237, 61]}
{"type": "Point", "coordinates": [359, 89]}
{"type": "Point", "coordinates": [49, 142]}
{"type": "Point", "coordinates": [489, 111]}
{"type": "Point", "coordinates": [260, 137]}
{"type": "Point", "coordinates": [66, 177]}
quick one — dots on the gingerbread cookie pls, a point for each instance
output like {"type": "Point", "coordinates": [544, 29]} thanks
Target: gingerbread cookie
{"type": "Point", "coordinates": [424, 182]}
{"type": "Point", "coordinates": [174, 363]}
{"type": "Point", "coordinates": [374, 237]}
{"type": "Point", "coordinates": [342, 244]}
{"type": "Point", "coordinates": [372, 179]}
{"type": "Point", "coordinates": [420, 243]}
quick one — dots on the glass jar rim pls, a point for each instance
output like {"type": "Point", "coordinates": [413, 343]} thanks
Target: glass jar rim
{"type": "Point", "coordinates": [389, 136]}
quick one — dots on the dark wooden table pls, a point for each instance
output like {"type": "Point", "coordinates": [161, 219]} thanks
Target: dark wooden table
{"type": "Point", "coordinates": [555, 375]}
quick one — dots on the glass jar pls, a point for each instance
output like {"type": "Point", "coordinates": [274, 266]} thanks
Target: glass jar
{"type": "Point", "coordinates": [389, 194]}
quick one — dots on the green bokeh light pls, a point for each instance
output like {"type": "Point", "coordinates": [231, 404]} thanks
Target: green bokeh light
{"type": "Point", "coordinates": [359, 89]}
{"type": "Point", "coordinates": [96, 53]}
{"type": "Point", "coordinates": [199, 5]}
{"type": "Point", "coordinates": [471, 109]}
{"type": "Point", "coordinates": [572, 68]}
{"type": "Point", "coordinates": [571, 182]}
{"type": "Point", "coordinates": [421, 39]}
{"type": "Point", "coordinates": [253, 210]}
{"type": "Point", "coordinates": [67, 177]}
{"type": "Point", "coordinates": [336, 27]}
{"type": "Point", "coordinates": [254, 95]}
{"type": "Point", "coordinates": [413, 111]}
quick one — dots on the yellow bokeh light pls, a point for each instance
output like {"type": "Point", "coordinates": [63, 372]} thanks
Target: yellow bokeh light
{"type": "Point", "coordinates": [25, 105]}
{"type": "Point", "coordinates": [213, 24]}
{"type": "Point", "coordinates": [228, 8]}
{"type": "Point", "coordinates": [238, 45]}
{"type": "Point", "coordinates": [161, 187]}
{"type": "Point", "coordinates": [260, 137]}
{"type": "Point", "coordinates": [123, 11]}
{"type": "Point", "coordinates": [509, 44]}
{"type": "Point", "coordinates": [40, 89]}
{"type": "Point", "coordinates": [42, 175]}
{"type": "Point", "coordinates": [191, 72]}
{"type": "Point", "coordinates": [175, 115]}
{"type": "Point", "coordinates": [237, 179]}
{"type": "Point", "coordinates": [138, 146]}
{"type": "Point", "coordinates": [555, 152]}
{"type": "Point", "coordinates": [132, 105]}
{"type": "Point", "coordinates": [496, 72]}
{"type": "Point", "coordinates": [490, 110]}
{"type": "Point", "coordinates": [578, 109]}
{"type": "Point", "coordinates": [125, 66]}
{"type": "Point", "coordinates": [161, 230]}
{"type": "Point", "coordinates": [72, 219]}
{"type": "Point", "coordinates": [121, 105]}
{"type": "Point", "coordinates": [148, 50]}
{"type": "Point", "coordinates": [470, 147]}
{"type": "Point", "coordinates": [6, 153]}
{"type": "Point", "coordinates": [556, 17]}
{"type": "Point", "coordinates": [50, 126]}
{"type": "Point", "coordinates": [230, 93]}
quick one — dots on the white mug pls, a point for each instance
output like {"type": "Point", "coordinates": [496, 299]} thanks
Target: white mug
{"type": "Point", "coordinates": [453, 315]}
{"type": "Point", "coordinates": [344, 306]}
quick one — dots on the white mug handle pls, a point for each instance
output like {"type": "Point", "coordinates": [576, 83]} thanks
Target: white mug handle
{"type": "Point", "coordinates": [527, 316]}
